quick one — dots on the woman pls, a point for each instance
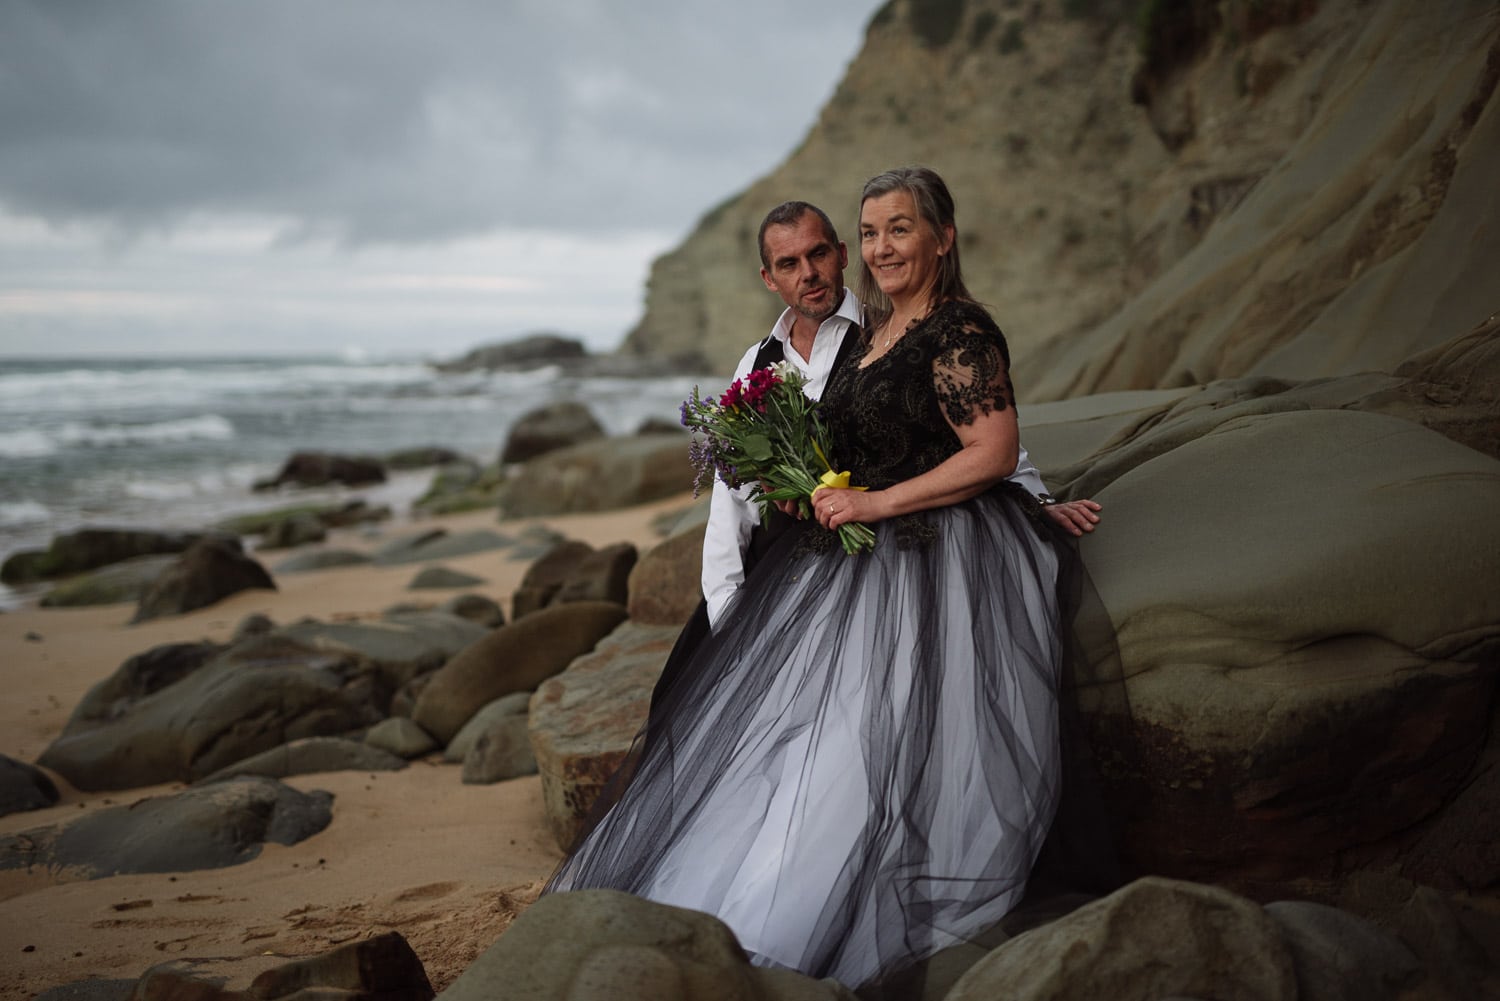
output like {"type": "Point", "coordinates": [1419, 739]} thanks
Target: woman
{"type": "Point", "coordinates": [862, 762]}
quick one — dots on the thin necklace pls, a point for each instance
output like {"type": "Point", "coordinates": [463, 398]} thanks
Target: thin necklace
{"type": "Point", "coordinates": [892, 337]}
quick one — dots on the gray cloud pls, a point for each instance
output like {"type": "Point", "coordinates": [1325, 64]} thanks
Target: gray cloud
{"type": "Point", "coordinates": [385, 121]}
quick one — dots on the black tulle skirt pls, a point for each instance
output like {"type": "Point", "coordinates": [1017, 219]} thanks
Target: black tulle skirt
{"type": "Point", "coordinates": [859, 768]}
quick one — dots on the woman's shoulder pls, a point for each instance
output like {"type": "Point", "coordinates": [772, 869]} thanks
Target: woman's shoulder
{"type": "Point", "coordinates": [964, 320]}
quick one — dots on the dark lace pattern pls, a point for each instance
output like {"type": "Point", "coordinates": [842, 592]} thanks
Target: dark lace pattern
{"type": "Point", "coordinates": [890, 420]}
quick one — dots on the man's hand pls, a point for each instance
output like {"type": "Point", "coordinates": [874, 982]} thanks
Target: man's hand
{"type": "Point", "coordinates": [1075, 517]}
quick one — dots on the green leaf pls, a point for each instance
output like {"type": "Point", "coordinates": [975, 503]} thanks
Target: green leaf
{"type": "Point", "coordinates": [758, 447]}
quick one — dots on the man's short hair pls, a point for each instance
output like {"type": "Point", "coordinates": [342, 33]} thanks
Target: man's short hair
{"type": "Point", "coordinates": [789, 214]}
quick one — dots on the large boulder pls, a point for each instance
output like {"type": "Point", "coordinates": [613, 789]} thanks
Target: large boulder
{"type": "Point", "coordinates": [599, 476]}
{"type": "Point", "coordinates": [606, 944]}
{"type": "Point", "coordinates": [667, 584]}
{"type": "Point", "coordinates": [1309, 645]}
{"type": "Point", "coordinates": [204, 828]}
{"type": "Point", "coordinates": [575, 571]}
{"type": "Point", "coordinates": [209, 571]}
{"type": "Point", "coordinates": [549, 428]}
{"type": "Point", "coordinates": [584, 720]}
{"type": "Point", "coordinates": [90, 548]}
{"type": "Point", "coordinates": [23, 787]}
{"type": "Point", "coordinates": [514, 658]}
{"type": "Point", "coordinates": [255, 696]}
{"type": "Point", "coordinates": [319, 469]}
{"type": "Point", "coordinates": [1153, 939]}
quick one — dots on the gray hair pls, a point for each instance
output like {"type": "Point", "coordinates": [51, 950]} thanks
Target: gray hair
{"type": "Point", "coordinates": [935, 208]}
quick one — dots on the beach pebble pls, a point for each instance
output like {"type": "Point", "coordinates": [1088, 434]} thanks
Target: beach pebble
{"type": "Point", "coordinates": [401, 737]}
{"type": "Point", "coordinates": [23, 787]}
{"type": "Point", "coordinates": [442, 577]}
{"type": "Point", "coordinates": [507, 706]}
{"type": "Point", "coordinates": [502, 751]}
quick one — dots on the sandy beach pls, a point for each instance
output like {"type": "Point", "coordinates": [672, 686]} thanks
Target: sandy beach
{"type": "Point", "coordinates": [416, 851]}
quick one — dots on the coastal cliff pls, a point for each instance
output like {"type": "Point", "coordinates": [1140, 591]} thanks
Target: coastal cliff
{"type": "Point", "coordinates": [1155, 195]}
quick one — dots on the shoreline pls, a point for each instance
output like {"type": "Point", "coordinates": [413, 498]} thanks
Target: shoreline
{"type": "Point", "coordinates": [416, 851]}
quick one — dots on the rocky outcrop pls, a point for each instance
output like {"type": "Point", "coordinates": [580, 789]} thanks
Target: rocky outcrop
{"type": "Point", "coordinates": [599, 476]}
{"type": "Point", "coordinates": [1290, 195]}
{"type": "Point", "coordinates": [253, 697]}
{"type": "Point", "coordinates": [319, 469]}
{"type": "Point", "coordinates": [89, 549]}
{"type": "Point", "coordinates": [514, 658]}
{"type": "Point", "coordinates": [112, 584]}
{"type": "Point", "coordinates": [575, 571]}
{"type": "Point", "coordinates": [522, 353]}
{"type": "Point", "coordinates": [549, 428]}
{"type": "Point", "coordinates": [584, 720]}
{"type": "Point", "coordinates": [205, 828]}
{"type": "Point", "coordinates": [602, 943]}
{"type": "Point", "coordinates": [209, 571]}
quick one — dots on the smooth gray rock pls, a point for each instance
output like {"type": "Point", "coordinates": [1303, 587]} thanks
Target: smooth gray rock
{"type": "Point", "coordinates": [90, 548]}
{"type": "Point", "coordinates": [208, 827]}
{"type": "Point", "coordinates": [310, 755]}
{"type": "Point", "coordinates": [23, 787]}
{"type": "Point", "coordinates": [439, 545]}
{"type": "Point", "coordinates": [209, 571]}
{"type": "Point", "coordinates": [321, 559]}
{"type": "Point", "coordinates": [476, 608]}
{"type": "Point", "coordinates": [549, 428]}
{"type": "Point", "coordinates": [514, 704]}
{"type": "Point", "coordinates": [1151, 939]}
{"type": "Point", "coordinates": [502, 751]}
{"type": "Point", "coordinates": [442, 577]}
{"type": "Point", "coordinates": [255, 696]}
{"type": "Point", "coordinates": [1340, 957]}
{"type": "Point", "coordinates": [514, 658]}
{"type": "Point", "coordinates": [317, 469]}
{"type": "Point", "coordinates": [607, 944]}
{"type": "Point", "coordinates": [112, 584]}
{"type": "Point", "coordinates": [401, 737]}
{"type": "Point", "coordinates": [600, 475]}
{"type": "Point", "coordinates": [401, 646]}
{"type": "Point", "coordinates": [666, 585]}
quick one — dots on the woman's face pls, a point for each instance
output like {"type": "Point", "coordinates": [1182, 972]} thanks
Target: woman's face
{"type": "Point", "coordinates": [898, 247]}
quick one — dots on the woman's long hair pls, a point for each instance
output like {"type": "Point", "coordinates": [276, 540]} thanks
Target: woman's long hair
{"type": "Point", "coordinates": [935, 207]}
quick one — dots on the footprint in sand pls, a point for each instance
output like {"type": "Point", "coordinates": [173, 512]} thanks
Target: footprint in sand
{"type": "Point", "coordinates": [432, 891]}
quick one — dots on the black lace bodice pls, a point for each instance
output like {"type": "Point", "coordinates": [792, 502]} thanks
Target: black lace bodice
{"type": "Point", "coordinates": [889, 421]}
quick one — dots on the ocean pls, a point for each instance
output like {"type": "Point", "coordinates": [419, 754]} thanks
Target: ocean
{"type": "Point", "coordinates": [176, 443]}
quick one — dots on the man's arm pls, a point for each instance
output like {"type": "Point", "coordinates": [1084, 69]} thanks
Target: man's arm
{"type": "Point", "coordinates": [1075, 517]}
{"type": "Point", "coordinates": [731, 516]}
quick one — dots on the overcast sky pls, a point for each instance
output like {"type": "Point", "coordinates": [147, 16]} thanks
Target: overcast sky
{"type": "Point", "coordinates": [213, 176]}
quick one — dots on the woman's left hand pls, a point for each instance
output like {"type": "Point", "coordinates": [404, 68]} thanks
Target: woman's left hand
{"type": "Point", "coordinates": [835, 506]}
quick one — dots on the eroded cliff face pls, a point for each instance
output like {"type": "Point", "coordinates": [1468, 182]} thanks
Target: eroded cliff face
{"type": "Point", "coordinates": [1298, 188]}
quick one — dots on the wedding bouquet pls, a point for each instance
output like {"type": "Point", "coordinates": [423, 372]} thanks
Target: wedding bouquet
{"type": "Point", "coordinates": [765, 431]}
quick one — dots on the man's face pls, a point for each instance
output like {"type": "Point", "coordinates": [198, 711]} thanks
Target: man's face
{"type": "Point", "coordinates": [806, 270]}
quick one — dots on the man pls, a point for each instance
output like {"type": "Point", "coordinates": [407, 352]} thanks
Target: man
{"type": "Point", "coordinates": [802, 260]}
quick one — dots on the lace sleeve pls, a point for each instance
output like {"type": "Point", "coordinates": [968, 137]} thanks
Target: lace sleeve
{"type": "Point", "coordinates": [971, 372]}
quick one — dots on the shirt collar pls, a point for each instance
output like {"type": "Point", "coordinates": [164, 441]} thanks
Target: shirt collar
{"type": "Point", "coordinates": [849, 310]}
